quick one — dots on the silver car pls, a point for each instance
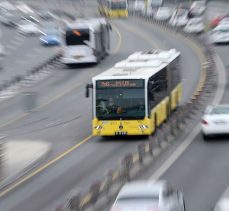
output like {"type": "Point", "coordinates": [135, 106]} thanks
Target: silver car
{"type": "Point", "coordinates": [149, 195]}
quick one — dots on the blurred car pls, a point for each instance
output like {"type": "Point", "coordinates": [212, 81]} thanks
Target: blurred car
{"type": "Point", "coordinates": [220, 34]}
{"type": "Point", "coordinates": [148, 195]}
{"type": "Point", "coordinates": [216, 20]}
{"type": "Point", "coordinates": [162, 14]}
{"type": "Point", "coordinates": [28, 28]}
{"type": "Point", "coordinates": [179, 18]}
{"type": "Point", "coordinates": [215, 121]}
{"type": "Point", "coordinates": [156, 3]}
{"type": "Point", "coordinates": [224, 21]}
{"type": "Point", "coordinates": [46, 14]}
{"type": "Point", "coordinates": [194, 25]}
{"type": "Point", "coordinates": [9, 18]}
{"type": "Point", "coordinates": [50, 37]}
{"type": "Point", "coordinates": [139, 6]}
{"type": "Point", "coordinates": [198, 8]}
{"type": "Point", "coordinates": [223, 202]}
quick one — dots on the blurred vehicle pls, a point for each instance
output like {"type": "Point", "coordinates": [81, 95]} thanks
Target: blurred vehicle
{"type": "Point", "coordinates": [163, 14]}
{"type": "Point", "coordinates": [220, 34]}
{"type": "Point", "coordinates": [223, 202]}
{"type": "Point", "coordinates": [46, 14]}
{"type": "Point", "coordinates": [155, 3]}
{"type": "Point", "coordinates": [198, 8]}
{"type": "Point", "coordinates": [113, 8]}
{"type": "Point", "coordinates": [7, 6]}
{"type": "Point", "coordinates": [179, 17]}
{"type": "Point", "coordinates": [50, 37]}
{"type": "Point", "coordinates": [224, 21]}
{"type": "Point", "coordinates": [139, 6]}
{"type": "Point", "coordinates": [86, 41]}
{"type": "Point", "coordinates": [9, 18]}
{"type": "Point", "coordinates": [194, 25]}
{"type": "Point", "coordinates": [216, 20]}
{"type": "Point", "coordinates": [215, 121]}
{"type": "Point", "coordinates": [148, 195]}
{"type": "Point", "coordinates": [24, 8]}
{"type": "Point", "coordinates": [28, 28]}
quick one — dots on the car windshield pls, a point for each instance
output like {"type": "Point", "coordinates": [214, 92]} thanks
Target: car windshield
{"type": "Point", "coordinates": [224, 30]}
{"type": "Point", "coordinates": [152, 198]}
{"type": "Point", "coordinates": [220, 110]}
{"type": "Point", "coordinates": [118, 5]}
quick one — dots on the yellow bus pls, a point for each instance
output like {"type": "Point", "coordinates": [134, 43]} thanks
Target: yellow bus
{"type": "Point", "coordinates": [136, 95]}
{"type": "Point", "coordinates": [113, 8]}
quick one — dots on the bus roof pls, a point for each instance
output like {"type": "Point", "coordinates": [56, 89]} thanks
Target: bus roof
{"type": "Point", "coordinates": [134, 69]}
{"type": "Point", "coordinates": [164, 55]}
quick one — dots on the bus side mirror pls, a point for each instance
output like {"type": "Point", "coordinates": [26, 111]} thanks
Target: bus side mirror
{"type": "Point", "coordinates": [88, 86]}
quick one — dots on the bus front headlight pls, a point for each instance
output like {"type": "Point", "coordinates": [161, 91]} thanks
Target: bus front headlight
{"type": "Point", "coordinates": [142, 127]}
{"type": "Point", "coordinates": [99, 127]}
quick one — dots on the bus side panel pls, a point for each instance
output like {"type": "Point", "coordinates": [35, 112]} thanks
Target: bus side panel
{"type": "Point", "coordinates": [176, 96]}
{"type": "Point", "coordinates": [161, 111]}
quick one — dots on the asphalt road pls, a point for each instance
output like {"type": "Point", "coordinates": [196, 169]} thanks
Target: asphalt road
{"type": "Point", "coordinates": [66, 120]}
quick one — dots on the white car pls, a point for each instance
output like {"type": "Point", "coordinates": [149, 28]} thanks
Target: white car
{"type": "Point", "coordinates": [194, 25]}
{"type": "Point", "coordinates": [28, 28]}
{"type": "Point", "coordinates": [179, 18]}
{"type": "Point", "coordinates": [215, 121]}
{"type": "Point", "coordinates": [198, 8]}
{"type": "Point", "coordinates": [148, 195]}
{"type": "Point", "coordinates": [162, 14]}
{"type": "Point", "coordinates": [223, 203]}
{"type": "Point", "coordinates": [224, 21]}
{"type": "Point", "coordinates": [220, 34]}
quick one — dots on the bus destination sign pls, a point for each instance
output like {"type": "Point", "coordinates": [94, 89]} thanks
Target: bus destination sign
{"type": "Point", "coordinates": [124, 83]}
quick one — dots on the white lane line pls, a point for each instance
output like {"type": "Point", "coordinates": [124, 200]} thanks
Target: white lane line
{"type": "Point", "coordinates": [190, 138]}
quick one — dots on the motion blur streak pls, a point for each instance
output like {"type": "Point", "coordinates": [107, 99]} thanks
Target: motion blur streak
{"type": "Point", "coordinates": [39, 170]}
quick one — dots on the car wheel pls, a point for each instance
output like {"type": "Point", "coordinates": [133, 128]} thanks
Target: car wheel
{"type": "Point", "coordinates": [205, 137]}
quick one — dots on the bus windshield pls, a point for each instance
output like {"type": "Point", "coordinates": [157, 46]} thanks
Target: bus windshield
{"type": "Point", "coordinates": [77, 36]}
{"type": "Point", "coordinates": [120, 103]}
{"type": "Point", "coordinates": [118, 5]}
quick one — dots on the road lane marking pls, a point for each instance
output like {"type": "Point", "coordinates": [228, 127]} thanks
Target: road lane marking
{"type": "Point", "coordinates": [119, 40]}
{"type": "Point", "coordinates": [140, 34]}
{"type": "Point", "coordinates": [190, 138]}
{"type": "Point", "coordinates": [39, 170]}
